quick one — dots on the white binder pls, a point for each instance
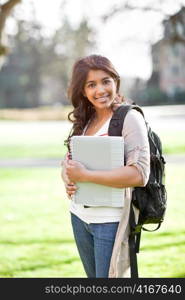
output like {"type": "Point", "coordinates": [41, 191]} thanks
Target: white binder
{"type": "Point", "coordinates": [98, 153]}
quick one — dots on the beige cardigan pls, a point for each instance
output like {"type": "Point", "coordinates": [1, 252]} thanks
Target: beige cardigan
{"type": "Point", "coordinates": [137, 154]}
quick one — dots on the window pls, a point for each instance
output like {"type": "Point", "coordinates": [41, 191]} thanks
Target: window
{"type": "Point", "coordinates": [175, 49]}
{"type": "Point", "coordinates": [180, 29]}
{"type": "Point", "coordinates": [175, 70]}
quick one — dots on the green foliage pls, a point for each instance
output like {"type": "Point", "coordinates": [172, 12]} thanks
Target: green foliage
{"type": "Point", "coordinates": [156, 96]}
{"type": "Point", "coordinates": [20, 77]}
{"type": "Point", "coordinates": [152, 95]}
{"type": "Point", "coordinates": [180, 97]}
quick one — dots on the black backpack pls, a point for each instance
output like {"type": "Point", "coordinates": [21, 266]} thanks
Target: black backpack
{"type": "Point", "coordinates": [151, 199]}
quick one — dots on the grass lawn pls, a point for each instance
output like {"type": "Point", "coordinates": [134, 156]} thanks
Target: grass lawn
{"type": "Point", "coordinates": [36, 238]}
{"type": "Point", "coordinates": [173, 142]}
{"type": "Point", "coordinates": [33, 139]}
{"type": "Point", "coordinates": [46, 139]}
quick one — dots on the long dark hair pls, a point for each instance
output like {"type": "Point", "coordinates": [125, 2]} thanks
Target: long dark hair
{"type": "Point", "coordinates": [83, 109]}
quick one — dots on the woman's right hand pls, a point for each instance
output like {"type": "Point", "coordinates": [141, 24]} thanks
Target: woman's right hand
{"type": "Point", "coordinates": [70, 189]}
{"type": "Point", "coordinates": [70, 186]}
{"type": "Point", "coordinates": [63, 172]}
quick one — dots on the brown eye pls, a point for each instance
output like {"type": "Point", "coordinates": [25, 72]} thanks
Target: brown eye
{"type": "Point", "coordinates": [91, 85]}
{"type": "Point", "coordinates": [107, 81]}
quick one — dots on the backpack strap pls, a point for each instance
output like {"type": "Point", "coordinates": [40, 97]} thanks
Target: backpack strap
{"type": "Point", "coordinates": [133, 245]}
{"type": "Point", "coordinates": [117, 120]}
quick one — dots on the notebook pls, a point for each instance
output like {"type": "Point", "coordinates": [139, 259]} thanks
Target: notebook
{"type": "Point", "coordinates": [98, 153]}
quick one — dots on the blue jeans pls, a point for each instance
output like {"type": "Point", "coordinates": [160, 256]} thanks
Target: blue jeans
{"type": "Point", "coordinates": [95, 242]}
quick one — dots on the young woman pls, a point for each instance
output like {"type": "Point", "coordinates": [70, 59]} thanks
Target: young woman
{"type": "Point", "coordinates": [101, 233]}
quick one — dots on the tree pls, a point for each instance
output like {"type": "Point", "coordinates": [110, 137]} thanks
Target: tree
{"type": "Point", "coordinates": [158, 7]}
{"type": "Point", "coordinates": [5, 10]}
{"type": "Point", "coordinates": [37, 70]}
{"type": "Point", "coordinates": [61, 51]}
{"type": "Point", "coordinates": [20, 76]}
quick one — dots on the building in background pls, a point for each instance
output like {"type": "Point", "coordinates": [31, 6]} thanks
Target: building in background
{"type": "Point", "coordinates": [168, 57]}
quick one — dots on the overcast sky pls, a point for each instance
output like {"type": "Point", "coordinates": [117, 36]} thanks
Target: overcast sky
{"type": "Point", "coordinates": [130, 57]}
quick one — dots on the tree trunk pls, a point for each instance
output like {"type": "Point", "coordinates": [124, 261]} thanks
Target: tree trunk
{"type": "Point", "coordinates": [5, 10]}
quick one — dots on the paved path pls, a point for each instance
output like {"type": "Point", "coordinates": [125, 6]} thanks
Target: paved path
{"type": "Point", "coordinates": [54, 163]}
{"type": "Point", "coordinates": [30, 162]}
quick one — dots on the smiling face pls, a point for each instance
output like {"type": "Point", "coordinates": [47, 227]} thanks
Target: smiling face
{"type": "Point", "coordinates": [100, 89]}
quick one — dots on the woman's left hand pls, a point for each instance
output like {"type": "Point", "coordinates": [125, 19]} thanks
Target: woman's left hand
{"type": "Point", "coordinates": [76, 171]}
